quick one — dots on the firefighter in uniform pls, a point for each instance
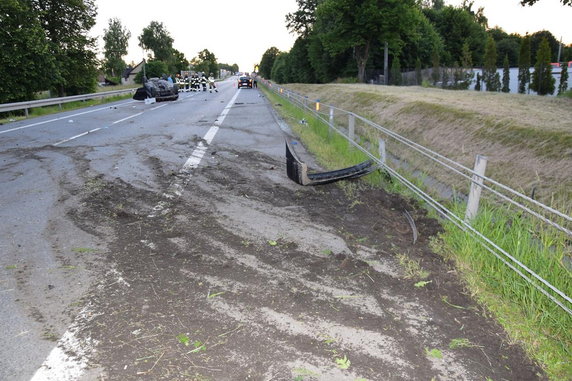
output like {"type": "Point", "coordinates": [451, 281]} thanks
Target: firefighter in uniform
{"type": "Point", "coordinates": [195, 82]}
{"type": "Point", "coordinates": [204, 82]}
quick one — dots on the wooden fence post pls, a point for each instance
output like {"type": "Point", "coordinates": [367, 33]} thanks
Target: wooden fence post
{"type": "Point", "coordinates": [476, 187]}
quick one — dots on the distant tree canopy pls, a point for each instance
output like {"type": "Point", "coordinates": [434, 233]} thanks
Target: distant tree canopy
{"type": "Point", "coordinates": [158, 40]}
{"type": "Point", "coordinates": [23, 44]}
{"type": "Point", "coordinates": [346, 38]}
{"type": "Point", "coordinates": [115, 40]}
{"type": "Point", "coordinates": [267, 61]}
{"type": "Point", "coordinates": [66, 24]}
{"type": "Point", "coordinates": [205, 62]}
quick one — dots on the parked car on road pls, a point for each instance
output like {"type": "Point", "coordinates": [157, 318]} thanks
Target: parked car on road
{"type": "Point", "coordinates": [244, 82]}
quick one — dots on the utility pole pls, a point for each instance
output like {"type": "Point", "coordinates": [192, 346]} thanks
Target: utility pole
{"type": "Point", "coordinates": [559, 49]}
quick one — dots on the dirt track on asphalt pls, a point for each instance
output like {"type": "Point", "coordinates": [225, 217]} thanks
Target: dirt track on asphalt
{"type": "Point", "coordinates": [248, 276]}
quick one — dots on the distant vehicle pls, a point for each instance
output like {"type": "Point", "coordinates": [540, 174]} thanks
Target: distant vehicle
{"type": "Point", "coordinates": [244, 82]}
{"type": "Point", "coordinates": [160, 89]}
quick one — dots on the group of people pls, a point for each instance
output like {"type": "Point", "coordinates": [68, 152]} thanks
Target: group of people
{"type": "Point", "coordinates": [196, 82]}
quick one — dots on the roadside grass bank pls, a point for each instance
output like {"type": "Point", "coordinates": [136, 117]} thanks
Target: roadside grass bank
{"type": "Point", "coordinates": [48, 110]}
{"type": "Point", "coordinates": [529, 318]}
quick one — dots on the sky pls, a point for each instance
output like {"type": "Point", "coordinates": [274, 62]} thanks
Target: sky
{"type": "Point", "coordinates": [241, 31]}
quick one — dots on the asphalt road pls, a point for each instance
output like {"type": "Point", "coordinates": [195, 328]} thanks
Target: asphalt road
{"type": "Point", "coordinates": [43, 274]}
{"type": "Point", "coordinates": [165, 242]}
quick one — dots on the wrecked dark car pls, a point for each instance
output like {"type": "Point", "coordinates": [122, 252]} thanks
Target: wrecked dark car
{"type": "Point", "coordinates": [158, 88]}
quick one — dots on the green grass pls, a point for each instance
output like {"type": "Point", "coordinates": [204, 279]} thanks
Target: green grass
{"type": "Point", "coordinates": [528, 316]}
{"type": "Point", "coordinates": [542, 328]}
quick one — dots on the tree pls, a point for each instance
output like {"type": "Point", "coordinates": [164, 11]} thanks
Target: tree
{"type": "Point", "coordinates": [436, 71]}
{"type": "Point", "coordinates": [532, 2]}
{"type": "Point", "coordinates": [458, 26]}
{"type": "Point", "coordinates": [563, 86]}
{"type": "Point", "coordinates": [66, 24]}
{"type": "Point", "coordinates": [153, 69]}
{"type": "Point", "coordinates": [299, 63]}
{"type": "Point", "coordinates": [23, 45]}
{"type": "Point", "coordinates": [467, 73]}
{"type": "Point", "coordinates": [420, 42]}
{"type": "Point", "coordinates": [158, 40]}
{"type": "Point", "coordinates": [490, 65]}
{"type": "Point", "coordinates": [279, 72]}
{"type": "Point", "coordinates": [537, 37]}
{"type": "Point", "coordinates": [267, 62]}
{"type": "Point", "coordinates": [178, 62]}
{"type": "Point", "coordinates": [506, 76]}
{"type": "Point", "coordinates": [395, 78]}
{"type": "Point", "coordinates": [302, 21]}
{"type": "Point", "coordinates": [524, 65]}
{"type": "Point", "coordinates": [347, 24]}
{"type": "Point", "coordinates": [205, 62]}
{"type": "Point", "coordinates": [116, 39]}
{"type": "Point", "coordinates": [542, 79]}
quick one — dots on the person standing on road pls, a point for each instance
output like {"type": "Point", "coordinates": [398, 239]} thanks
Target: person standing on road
{"type": "Point", "coordinates": [212, 84]}
{"type": "Point", "coordinates": [204, 82]}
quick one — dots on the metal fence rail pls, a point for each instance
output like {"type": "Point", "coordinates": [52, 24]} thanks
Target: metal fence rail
{"type": "Point", "coordinates": [350, 125]}
{"type": "Point", "coordinates": [59, 101]}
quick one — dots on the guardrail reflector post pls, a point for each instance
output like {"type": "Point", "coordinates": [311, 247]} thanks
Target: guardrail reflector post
{"type": "Point", "coordinates": [317, 105]}
{"type": "Point", "coordinates": [476, 187]}
{"type": "Point", "coordinates": [331, 121]}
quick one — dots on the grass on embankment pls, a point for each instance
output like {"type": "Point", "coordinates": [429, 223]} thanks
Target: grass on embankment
{"type": "Point", "coordinates": [48, 110]}
{"type": "Point", "coordinates": [527, 139]}
{"type": "Point", "coordinates": [530, 318]}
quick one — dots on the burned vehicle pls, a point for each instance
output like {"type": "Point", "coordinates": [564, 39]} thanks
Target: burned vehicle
{"type": "Point", "coordinates": [158, 88]}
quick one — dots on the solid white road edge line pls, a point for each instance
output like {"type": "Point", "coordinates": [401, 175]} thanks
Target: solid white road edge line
{"type": "Point", "coordinates": [61, 118]}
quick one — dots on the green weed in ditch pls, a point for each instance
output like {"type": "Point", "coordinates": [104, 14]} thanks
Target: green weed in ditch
{"type": "Point", "coordinates": [544, 328]}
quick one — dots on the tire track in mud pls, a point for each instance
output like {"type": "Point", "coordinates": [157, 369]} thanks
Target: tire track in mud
{"type": "Point", "coordinates": [249, 276]}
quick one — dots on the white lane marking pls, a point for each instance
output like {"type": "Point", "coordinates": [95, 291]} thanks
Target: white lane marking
{"type": "Point", "coordinates": [77, 136]}
{"type": "Point", "coordinates": [60, 365]}
{"type": "Point", "coordinates": [176, 188]}
{"type": "Point", "coordinates": [126, 118]}
{"type": "Point", "coordinates": [158, 107]}
{"type": "Point", "coordinates": [60, 118]}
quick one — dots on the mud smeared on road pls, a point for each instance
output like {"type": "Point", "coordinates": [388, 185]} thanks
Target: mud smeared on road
{"type": "Point", "coordinates": [248, 276]}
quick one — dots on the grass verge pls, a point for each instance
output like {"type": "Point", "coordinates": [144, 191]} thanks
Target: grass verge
{"type": "Point", "coordinates": [542, 328]}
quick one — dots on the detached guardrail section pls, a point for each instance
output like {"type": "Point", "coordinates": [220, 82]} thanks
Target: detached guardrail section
{"type": "Point", "coordinates": [59, 101]}
{"type": "Point", "coordinates": [397, 154]}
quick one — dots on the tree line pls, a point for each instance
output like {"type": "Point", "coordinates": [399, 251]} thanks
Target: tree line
{"type": "Point", "coordinates": [44, 45]}
{"type": "Point", "coordinates": [347, 39]}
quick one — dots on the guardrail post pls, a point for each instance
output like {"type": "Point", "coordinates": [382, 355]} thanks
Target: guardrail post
{"type": "Point", "coordinates": [331, 122]}
{"type": "Point", "coordinates": [26, 112]}
{"type": "Point", "coordinates": [476, 187]}
{"type": "Point", "coordinates": [351, 125]}
{"type": "Point", "coordinates": [382, 154]}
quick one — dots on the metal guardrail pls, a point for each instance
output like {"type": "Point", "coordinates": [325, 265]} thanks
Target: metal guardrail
{"type": "Point", "coordinates": [59, 101]}
{"type": "Point", "coordinates": [347, 124]}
